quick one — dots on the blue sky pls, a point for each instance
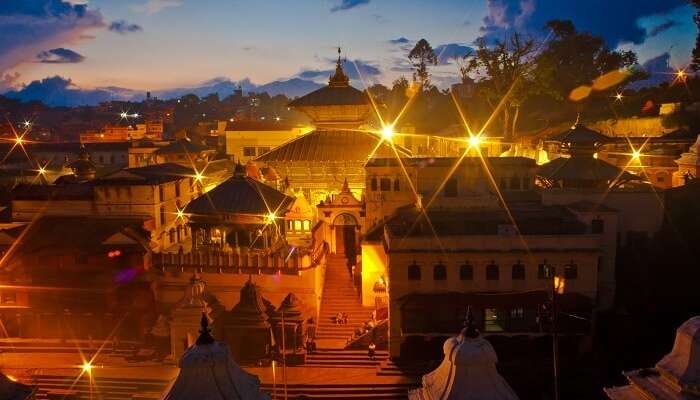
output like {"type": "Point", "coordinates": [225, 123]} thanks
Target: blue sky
{"type": "Point", "coordinates": [159, 44]}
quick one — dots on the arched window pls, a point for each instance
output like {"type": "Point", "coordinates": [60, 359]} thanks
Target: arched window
{"type": "Point", "coordinates": [414, 272]}
{"type": "Point", "coordinates": [466, 272]}
{"type": "Point", "coordinates": [492, 272]}
{"type": "Point", "coordinates": [518, 272]}
{"type": "Point", "coordinates": [440, 272]}
{"type": "Point", "coordinates": [297, 226]}
{"type": "Point", "coordinates": [307, 225]}
{"type": "Point", "coordinates": [373, 184]}
{"type": "Point", "coordinates": [397, 185]}
{"type": "Point", "coordinates": [571, 270]}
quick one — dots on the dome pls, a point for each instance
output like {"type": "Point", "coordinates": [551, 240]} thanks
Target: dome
{"type": "Point", "coordinates": [682, 364]}
{"type": "Point", "coordinates": [468, 371]}
{"type": "Point", "coordinates": [83, 168]}
{"type": "Point", "coordinates": [207, 371]}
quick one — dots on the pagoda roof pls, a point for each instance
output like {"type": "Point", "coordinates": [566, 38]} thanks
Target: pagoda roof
{"type": "Point", "coordinates": [583, 169]}
{"type": "Point", "coordinates": [292, 308]}
{"type": "Point", "coordinates": [332, 96]}
{"type": "Point", "coordinates": [250, 310]}
{"type": "Point", "coordinates": [332, 145]}
{"type": "Point", "coordinates": [581, 135]}
{"type": "Point", "coordinates": [240, 195]}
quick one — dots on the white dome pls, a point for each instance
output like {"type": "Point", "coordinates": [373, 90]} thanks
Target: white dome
{"type": "Point", "coordinates": [468, 372]}
{"type": "Point", "coordinates": [207, 372]}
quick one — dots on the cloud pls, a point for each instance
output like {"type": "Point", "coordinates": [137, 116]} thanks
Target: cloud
{"type": "Point", "coordinates": [348, 4]}
{"type": "Point", "coordinates": [661, 28]}
{"type": "Point", "coordinates": [122, 27]}
{"type": "Point", "coordinates": [156, 6]}
{"type": "Point", "coordinates": [401, 40]}
{"type": "Point", "coordinates": [616, 21]}
{"type": "Point", "coordinates": [58, 91]}
{"type": "Point", "coordinates": [355, 70]}
{"type": "Point", "coordinates": [446, 53]}
{"type": "Point", "coordinates": [59, 56]}
{"type": "Point", "coordinates": [28, 27]}
{"type": "Point", "coordinates": [8, 81]}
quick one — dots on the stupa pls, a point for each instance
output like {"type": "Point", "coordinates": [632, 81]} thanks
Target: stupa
{"type": "Point", "coordinates": [208, 372]}
{"type": "Point", "coordinates": [468, 371]}
{"type": "Point", "coordinates": [675, 377]}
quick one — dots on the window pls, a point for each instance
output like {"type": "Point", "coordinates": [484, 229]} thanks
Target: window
{"type": "Point", "coordinates": [517, 313]}
{"type": "Point", "coordinates": [177, 190]}
{"type": "Point", "coordinates": [249, 151]}
{"type": "Point", "coordinates": [307, 225]}
{"type": "Point", "coordinates": [597, 226]}
{"type": "Point", "coordinates": [571, 271]}
{"type": "Point", "coordinates": [466, 272]}
{"type": "Point", "coordinates": [440, 272]}
{"type": "Point", "coordinates": [263, 150]}
{"type": "Point", "coordinates": [161, 192]}
{"type": "Point", "coordinates": [162, 215]}
{"type": "Point", "coordinates": [518, 272]}
{"type": "Point", "coordinates": [385, 184]}
{"type": "Point", "coordinates": [297, 225]}
{"type": "Point", "coordinates": [414, 272]}
{"type": "Point", "coordinates": [171, 235]}
{"type": "Point", "coordinates": [397, 185]}
{"type": "Point", "coordinates": [451, 188]}
{"type": "Point", "coordinates": [545, 271]}
{"type": "Point", "coordinates": [491, 322]}
{"type": "Point", "coordinates": [492, 272]}
{"type": "Point", "coordinates": [373, 184]}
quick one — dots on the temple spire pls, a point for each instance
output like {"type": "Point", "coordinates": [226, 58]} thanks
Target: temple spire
{"type": "Point", "coordinates": [470, 330]}
{"type": "Point", "coordinates": [339, 79]}
{"type": "Point", "coordinates": [204, 331]}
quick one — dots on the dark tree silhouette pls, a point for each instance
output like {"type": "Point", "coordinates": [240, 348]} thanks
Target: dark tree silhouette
{"type": "Point", "coordinates": [421, 56]}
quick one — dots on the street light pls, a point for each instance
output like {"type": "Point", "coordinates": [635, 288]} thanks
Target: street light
{"type": "Point", "coordinates": [87, 367]}
{"type": "Point", "coordinates": [388, 133]}
{"type": "Point", "coordinates": [474, 141]}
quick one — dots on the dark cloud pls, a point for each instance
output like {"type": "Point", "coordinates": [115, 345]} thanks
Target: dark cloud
{"type": "Point", "coordinates": [401, 40]}
{"type": "Point", "coordinates": [446, 53]}
{"type": "Point", "coordinates": [355, 70]}
{"type": "Point", "coordinates": [343, 5]}
{"type": "Point", "coordinates": [28, 27]}
{"type": "Point", "coordinates": [59, 56]}
{"type": "Point", "coordinates": [616, 21]}
{"type": "Point", "coordinates": [58, 91]}
{"type": "Point", "coordinates": [661, 28]}
{"type": "Point", "coordinates": [122, 27]}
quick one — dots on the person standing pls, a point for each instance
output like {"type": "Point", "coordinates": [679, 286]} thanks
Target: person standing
{"type": "Point", "coordinates": [371, 349]}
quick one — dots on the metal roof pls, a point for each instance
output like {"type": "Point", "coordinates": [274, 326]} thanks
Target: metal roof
{"type": "Point", "coordinates": [240, 195]}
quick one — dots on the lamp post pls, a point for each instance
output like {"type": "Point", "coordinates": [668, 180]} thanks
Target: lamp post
{"type": "Point", "coordinates": [558, 285]}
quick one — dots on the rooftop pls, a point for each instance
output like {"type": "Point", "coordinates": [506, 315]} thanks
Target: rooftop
{"type": "Point", "coordinates": [182, 146]}
{"type": "Point", "coordinates": [149, 175]}
{"type": "Point", "coordinates": [580, 135]}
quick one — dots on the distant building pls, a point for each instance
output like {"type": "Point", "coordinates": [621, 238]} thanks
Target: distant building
{"type": "Point", "coordinates": [246, 140]}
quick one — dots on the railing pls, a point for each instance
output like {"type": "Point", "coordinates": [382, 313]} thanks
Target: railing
{"type": "Point", "coordinates": [244, 262]}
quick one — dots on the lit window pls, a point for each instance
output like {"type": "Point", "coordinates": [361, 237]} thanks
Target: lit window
{"type": "Point", "coordinates": [545, 271]}
{"type": "Point", "coordinates": [307, 225]}
{"type": "Point", "coordinates": [491, 320]}
{"type": "Point", "coordinates": [439, 272]}
{"type": "Point", "coordinates": [297, 225]}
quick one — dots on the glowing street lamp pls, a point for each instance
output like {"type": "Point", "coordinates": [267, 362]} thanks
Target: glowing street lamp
{"type": "Point", "coordinates": [474, 141]}
{"type": "Point", "coordinates": [636, 154]}
{"type": "Point", "coordinates": [199, 177]}
{"type": "Point", "coordinates": [180, 214]}
{"type": "Point", "coordinates": [87, 367]}
{"type": "Point", "coordinates": [19, 141]}
{"type": "Point", "coordinates": [270, 218]}
{"type": "Point", "coordinates": [42, 171]}
{"type": "Point", "coordinates": [619, 97]}
{"type": "Point", "coordinates": [388, 133]}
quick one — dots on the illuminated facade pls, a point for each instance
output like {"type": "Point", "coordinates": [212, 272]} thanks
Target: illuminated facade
{"type": "Point", "coordinates": [246, 140]}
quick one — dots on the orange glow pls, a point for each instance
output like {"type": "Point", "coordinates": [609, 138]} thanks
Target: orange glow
{"type": "Point", "coordinates": [474, 141]}
{"type": "Point", "coordinates": [19, 141]}
{"type": "Point", "coordinates": [559, 284]}
{"type": "Point", "coordinates": [87, 367]}
{"type": "Point", "coordinates": [619, 97]}
{"type": "Point", "coordinates": [388, 133]}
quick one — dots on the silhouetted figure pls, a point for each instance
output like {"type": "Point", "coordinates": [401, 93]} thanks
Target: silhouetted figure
{"type": "Point", "coordinates": [371, 349]}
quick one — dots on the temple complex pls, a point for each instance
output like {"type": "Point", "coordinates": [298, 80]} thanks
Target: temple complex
{"type": "Point", "coordinates": [318, 162]}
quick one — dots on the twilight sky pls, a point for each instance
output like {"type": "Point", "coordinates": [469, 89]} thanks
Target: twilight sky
{"type": "Point", "coordinates": [160, 44]}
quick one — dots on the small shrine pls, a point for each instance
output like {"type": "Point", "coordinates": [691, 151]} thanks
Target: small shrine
{"type": "Point", "coordinates": [579, 167]}
{"type": "Point", "coordinates": [468, 371]}
{"type": "Point", "coordinates": [247, 326]}
{"type": "Point", "coordinates": [688, 165]}
{"type": "Point", "coordinates": [207, 371]}
{"type": "Point", "coordinates": [675, 377]}
{"type": "Point", "coordinates": [343, 214]}
{"type": "Point", "coordinates": [289, 326]}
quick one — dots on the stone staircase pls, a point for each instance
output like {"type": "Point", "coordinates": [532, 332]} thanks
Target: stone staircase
{"type": "Point", "coordinates": [66, 388]}
{"type": "Point", "coordinates": [338, 358]}
{"type": "Point", "coordinates": [339, 295]}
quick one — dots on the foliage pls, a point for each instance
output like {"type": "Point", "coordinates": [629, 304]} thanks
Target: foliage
{"type": "Point", "coordinates": [421, 56]}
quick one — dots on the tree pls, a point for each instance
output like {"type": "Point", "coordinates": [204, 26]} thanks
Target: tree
{"type": "Point", "coordinates": [572, 59]}
{"type": "Point", "coordinates": [505, 70]}
{"type": "Point", "coordinates": [421, 56]}
{"type": "Point", "coordinates": [695, 62]}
